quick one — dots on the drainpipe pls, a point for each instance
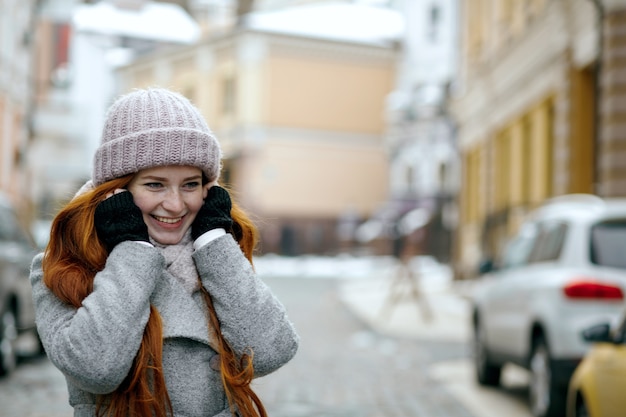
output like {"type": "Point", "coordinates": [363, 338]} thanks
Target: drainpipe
{"type": "Point", "coordinates": [598, 96]}
{"type": "Point", "coordinates": [29, 41]}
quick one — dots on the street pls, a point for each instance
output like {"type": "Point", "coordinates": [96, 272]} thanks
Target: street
{"type": "Point", "coordinates": [343, 368]}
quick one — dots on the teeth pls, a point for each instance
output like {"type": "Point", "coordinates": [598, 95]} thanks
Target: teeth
{"type": "Point", "coordinates": [167, 219]}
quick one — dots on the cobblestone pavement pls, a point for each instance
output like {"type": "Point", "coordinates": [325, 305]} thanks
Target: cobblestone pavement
{"type": "Point", "coordinates": [37, 389]}
{"type": "Point", "coordinates": [342, 368]}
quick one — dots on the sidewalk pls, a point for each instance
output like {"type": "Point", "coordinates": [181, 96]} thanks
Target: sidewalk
{"type": "Point", "coordinates": [369, 299]}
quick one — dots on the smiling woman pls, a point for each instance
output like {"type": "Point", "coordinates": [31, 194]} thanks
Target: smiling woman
{"type": "Point", "coordinates": [169, 198]}
{"type": "Point", "coordinates": [144, 293]}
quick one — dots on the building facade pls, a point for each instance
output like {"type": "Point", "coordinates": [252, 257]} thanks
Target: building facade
{"type": "Point", "coordinates": [611, 113]}
{"type": "Point", "coordinates": [300, 121]}
{"type": "Point", "coordinates": [527, 115]}
{"type": "Point", "coordinates": [16, 100]}
{"type": "Point", "coordinates": [424, 175]}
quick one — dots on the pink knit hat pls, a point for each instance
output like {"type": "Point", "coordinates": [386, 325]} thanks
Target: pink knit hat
{"type": "Point", "coordinates": [154, 127]}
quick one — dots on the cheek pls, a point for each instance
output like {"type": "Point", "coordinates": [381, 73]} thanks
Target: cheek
{"type": "Point", "coordinates": [194, 202]}
{"type": "Point", "coordinates": [145, 204]}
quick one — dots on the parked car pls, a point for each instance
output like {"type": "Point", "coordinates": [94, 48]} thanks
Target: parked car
{"type": "Point", "coordinates": [597, 387]}
{"type": "Point", "coordinates": [564, 271]}
{"type": "Point", "coordinates": [17, 316]}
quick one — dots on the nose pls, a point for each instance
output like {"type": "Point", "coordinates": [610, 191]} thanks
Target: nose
{"type": "Point", "coordinates": [173, 202]}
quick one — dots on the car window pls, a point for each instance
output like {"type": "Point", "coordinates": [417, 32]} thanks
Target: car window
{"type": "Point", "coordinates": [518, 249]}
{"type": "Point", "coordinates": [608, 243]}
{"type": "Point", "coordinates": [549, 242]}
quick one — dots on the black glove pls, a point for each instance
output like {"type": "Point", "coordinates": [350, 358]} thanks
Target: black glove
{"type": "Point", "coordinates": [214, 213]}
{"type": "Point", "coordinates": [118, 219]}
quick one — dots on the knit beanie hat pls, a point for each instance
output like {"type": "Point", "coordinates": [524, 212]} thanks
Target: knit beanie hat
{"type": "Point", "coordinates": [154, 127]}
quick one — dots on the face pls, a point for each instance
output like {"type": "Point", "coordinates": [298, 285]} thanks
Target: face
{"type": "Point", "coordinates": [169, 198]}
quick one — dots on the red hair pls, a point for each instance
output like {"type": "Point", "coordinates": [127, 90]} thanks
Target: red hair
{"type": "Point", "coordinates": [73, 257]}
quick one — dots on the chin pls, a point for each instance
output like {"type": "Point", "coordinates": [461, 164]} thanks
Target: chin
{"type": "Point", "coordinates": [169, 239]}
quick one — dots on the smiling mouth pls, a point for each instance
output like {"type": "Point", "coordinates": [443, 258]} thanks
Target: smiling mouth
{"type": "Point", "coordinates": [168, 220]}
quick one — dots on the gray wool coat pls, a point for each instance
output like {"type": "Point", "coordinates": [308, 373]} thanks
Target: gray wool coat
{"type": "Point", "coordinates": [94, 345]}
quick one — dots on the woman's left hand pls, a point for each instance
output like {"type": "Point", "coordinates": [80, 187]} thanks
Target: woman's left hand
{"type": "Point", "coordinates": [214, 213]}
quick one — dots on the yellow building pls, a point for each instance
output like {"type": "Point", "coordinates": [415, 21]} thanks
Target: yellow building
{"type": "Point", "coordinates": [526, 114]}
{"type": "Point", "coordinates": [300, 120]}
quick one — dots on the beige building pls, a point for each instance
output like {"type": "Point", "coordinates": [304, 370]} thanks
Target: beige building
{"type": "Point", "coordinates": [526, 115]}
{"type": "Point", "coordinates": [300, 120]}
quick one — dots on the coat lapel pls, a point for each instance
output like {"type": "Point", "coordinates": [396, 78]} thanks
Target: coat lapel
{"type": "Point", "coordinates": [183, 314]}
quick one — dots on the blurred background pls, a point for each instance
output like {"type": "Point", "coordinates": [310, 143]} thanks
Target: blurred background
{"type": "Point", "coordinates": [345, 125]}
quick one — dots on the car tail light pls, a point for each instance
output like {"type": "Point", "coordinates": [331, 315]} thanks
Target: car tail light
{"type": "Point", "coordinates": [593, 289]}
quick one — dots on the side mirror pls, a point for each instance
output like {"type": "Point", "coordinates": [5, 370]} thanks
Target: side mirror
{"type": "Point", "coordinates": [485, 266]}
{"type": "Point", "coordinates": [598, 333]}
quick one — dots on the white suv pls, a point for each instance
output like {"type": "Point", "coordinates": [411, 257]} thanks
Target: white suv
{"type": "Point", "coordinates": [564, 271]}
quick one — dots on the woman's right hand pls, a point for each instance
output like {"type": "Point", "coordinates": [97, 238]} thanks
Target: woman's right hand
{"type": "Point", "coordinates": [117, 219]}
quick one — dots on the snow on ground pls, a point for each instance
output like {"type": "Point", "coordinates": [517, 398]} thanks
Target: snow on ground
{"type": "Point", "coordinates": [432, 274]}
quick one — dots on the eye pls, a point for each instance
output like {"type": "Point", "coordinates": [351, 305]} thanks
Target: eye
{"type": "Point", "coordinates": [192, 185]}
{"type": "Point", "coordinates": [153, 185]}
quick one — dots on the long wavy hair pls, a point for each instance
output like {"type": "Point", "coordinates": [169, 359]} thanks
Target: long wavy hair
{"type": "Point", "coordinates": [73, 257]}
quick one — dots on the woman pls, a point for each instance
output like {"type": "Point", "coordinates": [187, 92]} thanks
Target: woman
{"type": "Point", "coordinates": [145, 296]}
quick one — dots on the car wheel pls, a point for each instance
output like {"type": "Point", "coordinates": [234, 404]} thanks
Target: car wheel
{"type": "Point", "coordinates": [486, 372]}
{"type": "Point", "coordinates": [547, 399]}
{"type": "Point", "coordinates": [8, 338]}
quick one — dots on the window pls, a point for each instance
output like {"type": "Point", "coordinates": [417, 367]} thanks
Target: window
{"type": "Point", "coordinates": [409, 176]}
{"type": "Point", "coordinates": [228, 95]}
{"type": "Point", "coordinates": [434, 17]}
{"type": "Point", "coordinates": [60, 70]}
{"type": "Point", "coordinates": [608, 240]}
{"type": "Point", "coordinates": [619, 333]}
{"type": "Point", "coordinates": [549, 242]}
{"type": "Point", "coordinates": [518, 250]}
